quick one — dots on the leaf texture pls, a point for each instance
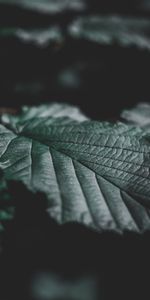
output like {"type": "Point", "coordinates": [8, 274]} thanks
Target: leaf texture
{"type": "Point", "coordinates": [94, 173]}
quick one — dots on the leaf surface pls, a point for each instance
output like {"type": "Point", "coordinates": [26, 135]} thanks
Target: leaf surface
{"type": "Point", "coordinates": [95, 173]}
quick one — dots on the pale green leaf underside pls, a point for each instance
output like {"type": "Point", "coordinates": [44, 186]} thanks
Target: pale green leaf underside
{"type": "Point", "coordinates": [93, 173]}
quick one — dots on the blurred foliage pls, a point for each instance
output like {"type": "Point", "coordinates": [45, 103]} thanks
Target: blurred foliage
{"type": "Point", "coordinates": [89, 53]}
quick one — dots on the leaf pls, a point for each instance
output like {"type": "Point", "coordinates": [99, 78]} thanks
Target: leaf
{"type": "Point", "coordinates": [47, 6]}
{"type": "Point", "coordinates": [138, 115]}
{"type": "Point", "coordinates": [124, 31]}
{"type": "Point", "coordinates": [43, 111]}
{"type": "Point", "coordinates": [93, 173]}
{"type": "Point", "coordinates": [38, 37]}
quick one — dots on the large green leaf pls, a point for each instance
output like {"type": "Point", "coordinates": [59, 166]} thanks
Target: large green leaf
{"type": "Point", "coordinates": [91, 172]}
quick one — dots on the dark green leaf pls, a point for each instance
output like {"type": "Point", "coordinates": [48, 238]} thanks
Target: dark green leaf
{"type": "Point", "coordinates": [91, 172]}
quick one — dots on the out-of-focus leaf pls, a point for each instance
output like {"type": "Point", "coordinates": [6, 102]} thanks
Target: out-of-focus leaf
{"type": "Point", "coordinates": [124, 31]}
{"type": "Point", "coordinates": [39, 37]}
{"type": "Point", "coordinates": [43, 111]}
{"type": "Point", "coordinates": [48, 6]}
{"type": "Point", "coordinates": [138, 115]}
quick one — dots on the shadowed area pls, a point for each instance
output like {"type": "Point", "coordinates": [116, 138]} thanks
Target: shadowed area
{"type": "Point", "coordinates": [102, 64]}
{"type": "Point", "coordinates": [39, 253]}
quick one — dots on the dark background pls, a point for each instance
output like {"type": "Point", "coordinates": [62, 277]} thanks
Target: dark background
{"type": "Point", "coordinates": [104, 78]}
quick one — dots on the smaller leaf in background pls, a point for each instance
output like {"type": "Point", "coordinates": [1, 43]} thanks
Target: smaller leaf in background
{"type": "Point", "coordinates": [53, 110]}
{"type": "Point", "coordinates": [39, 37]}
{"type": "Point", "coordinates": [138, 115]}
{"type": "Point", "coordinates": [48, 286]}
{"type": "Point", "coordinates": [48, 6]}
{"type": "Point", "coordinates": [124, 31]}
